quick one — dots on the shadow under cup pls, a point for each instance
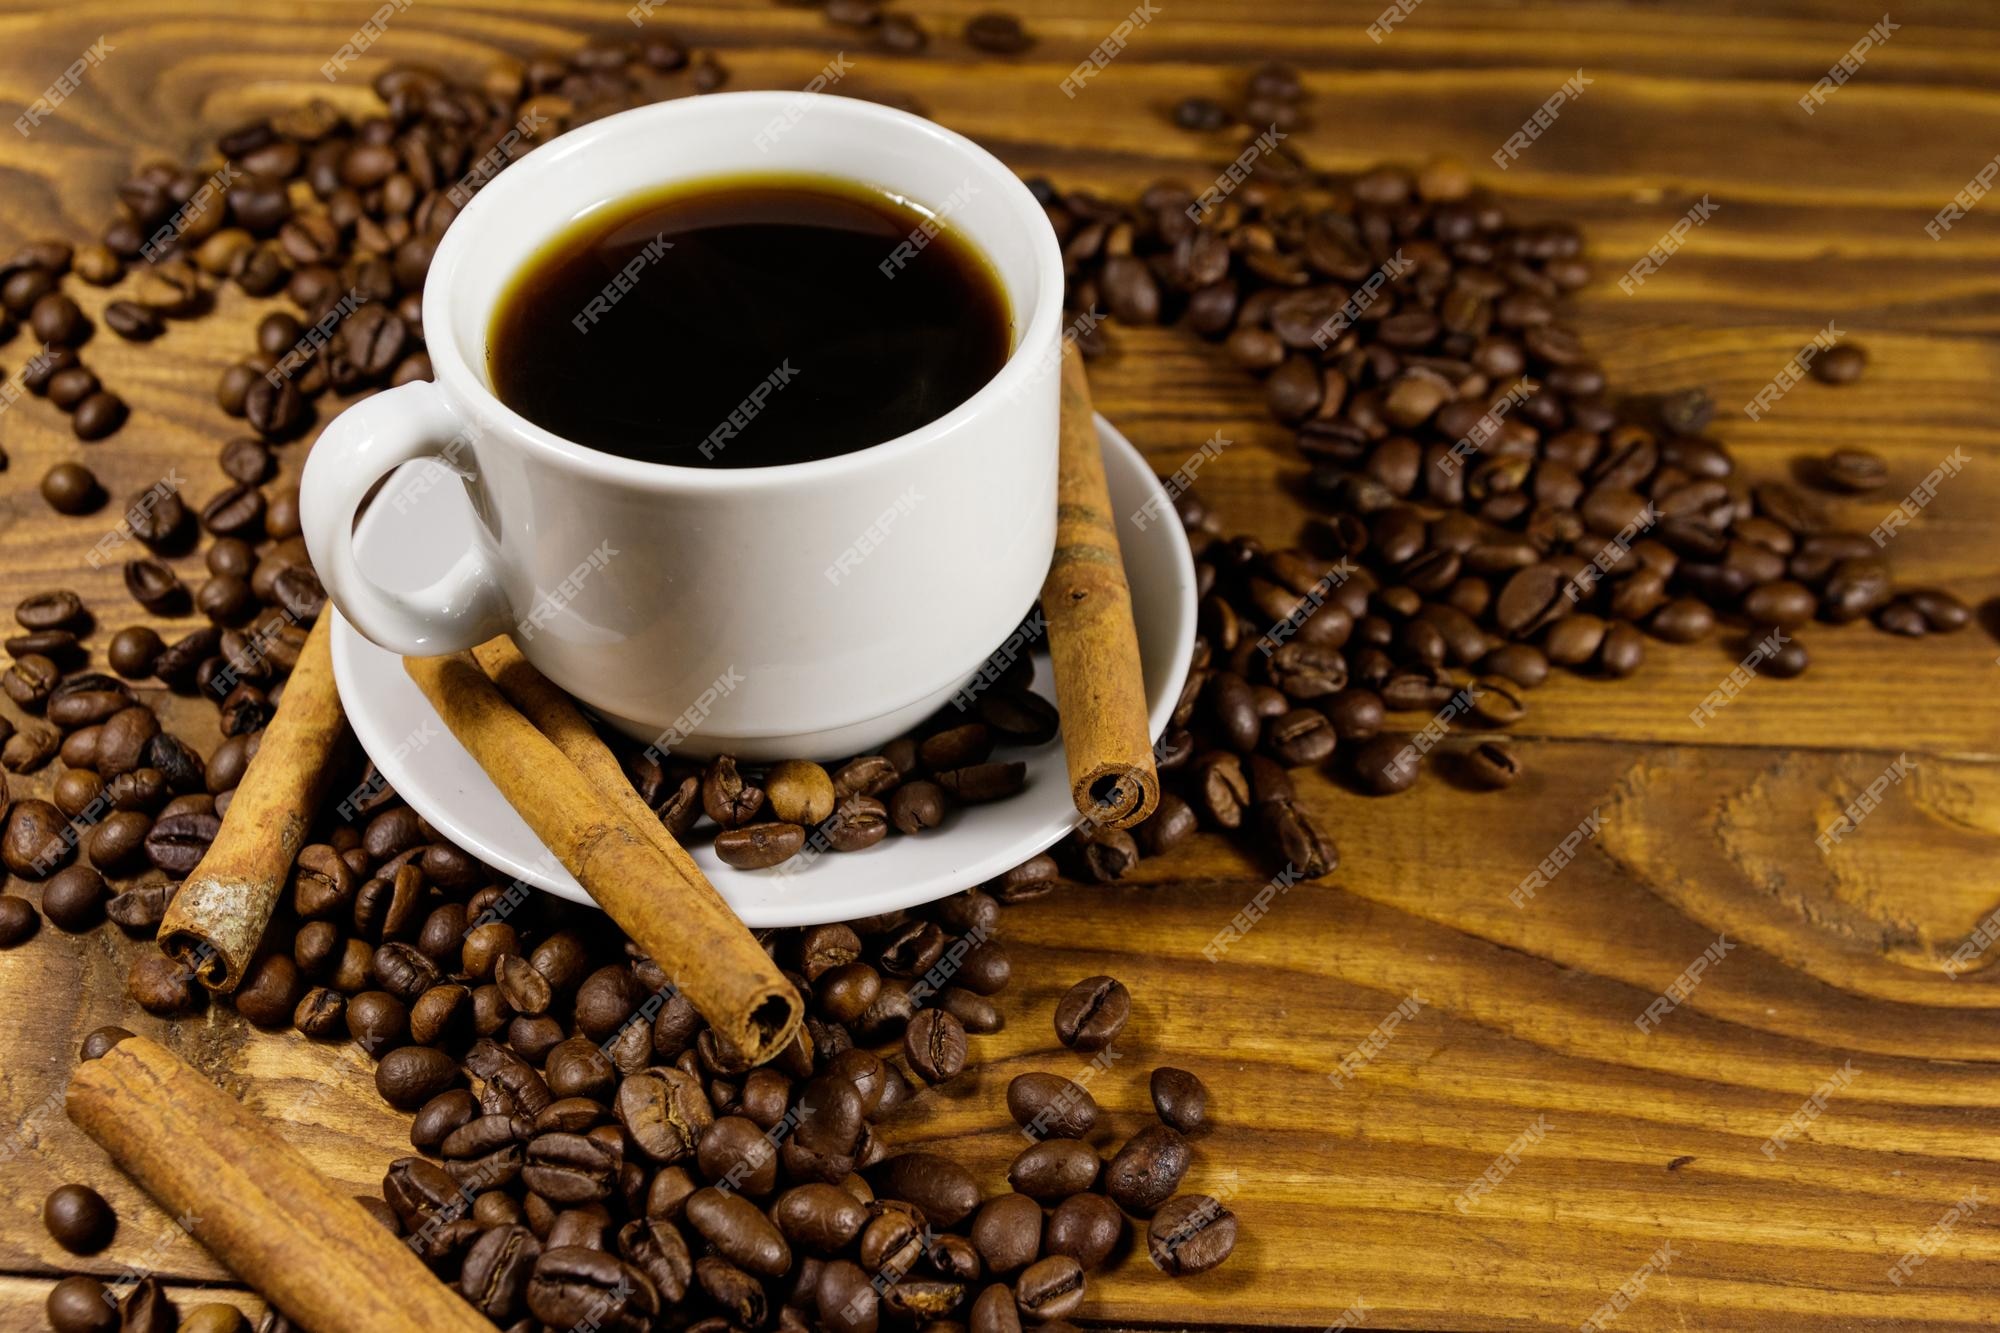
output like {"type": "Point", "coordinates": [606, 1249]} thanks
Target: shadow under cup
{"type": "Point", "coordinates": [815, 609]}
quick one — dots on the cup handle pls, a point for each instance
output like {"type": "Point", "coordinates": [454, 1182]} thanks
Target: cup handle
{"type": "Point", "coordinates": [353, 454]}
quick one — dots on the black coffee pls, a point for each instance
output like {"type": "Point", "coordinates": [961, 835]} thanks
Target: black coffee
{"type": "Point", "coordinates": [748, 321]}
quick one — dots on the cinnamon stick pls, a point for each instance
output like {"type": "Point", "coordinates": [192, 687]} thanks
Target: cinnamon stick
{"type": "Point", "coordinates": [1093, 646]}
{"type": "Point", "coordinates": [253, 1201]}
{"type": "Point", "coordinates": [663, 902]}
{"type": "Point", "coordinates": [556, 716]}
{"type": "Point", "coordinates": [214, 923]}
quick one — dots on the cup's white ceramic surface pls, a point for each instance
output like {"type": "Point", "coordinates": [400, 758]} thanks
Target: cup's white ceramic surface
{"type": "Point", "coordinates": [813, 609]}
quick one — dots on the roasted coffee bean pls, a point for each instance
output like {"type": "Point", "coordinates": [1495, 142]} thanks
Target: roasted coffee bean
{"type": "Point", "coordinates": [727, 798]}
{"type": "Point", "coordinates": [56, 609]}
{"type": "Point", "coordinates": [977, 783]}
{"type": "Point", "coordinates": [1387, 765]}
{"type": "Point", "coordinates": [37, 841]}
{"type": "Point", "coordinates": [571, 1285]}
{"type": "Point", "coordinates": [819, 1217]}
{"type": "Point", "coordinates": [125, 741]}
{"type": "Point", "coordinates": [974, 1012]}
{"type": "Point", "coordinates": [847, 1299]}
{"type": "Point", "coordinates": [70, 387]}
{"type": "Point", "coordinates": [76, 794]}
{"type": "Point", "coordinates": [736, 1152]}
{"type": "Point", "coordinates": [155, 586]}
{"type": "Point", "coordinates": [1683, 620]}
{"type": "Point", "coordinates": [525, 989]}
{"type": "Point", "coordinates": [1190, 1234]}
{"type": "Point", "coordinates": [986, 968]}
{"type": "Point", "coordinates": [1491, 765]}
{"type": "Point", "coordinates": [916, 807]}
{"type": "Point", "coordinates": [869, 775]}
{"type": "Point", "coordinates": [98, 415]}
{"type": "Point", "coordinates": [1045, 1104]}
{"type": "Point", "coordinates": [1533, 597]}
{"type": "Point", "coordinates": [940, 1186]}
{"type": "Point", "coordinates": [1050, 1288]}
{"type": "Point", "coordinates": [1789, 660]}
{"type": "Point", "coordinates": [1306, 852]}
{"type": "Point", "coordinates": [1108, 853]}
{"type": "Point", "coordinates": [235, 512]}
{"type": "Point", "coordinates": [148, 1309]}
{"type": "Point", "coordinates": [1031, 879]}
{"type": "Point", "coordinates": [1007, 1232]}
{"type": "Point", "coordinates": [1855, 471]}
{"type": "Point", "coordinates": [1221, 791]}
{"type": "Point", "coordinates": [159, 985]}
{"type": "Point", "coordinates": [118, 842]}
{"type": "Point", "coordinates": [997, 33]}
{"type": "Point", "coordinates": [759, 846]}
{"type": "Point", "coordinates": [18, 920]}
{"type": "Point", "coordinates": [78, 1219]}
{"type": "Point", "coordinates": [29, 680]}
{"type": "Point", "coordinates": [177, 843]}
{"type": "Point", "coordinates": [1180, 1098]}
{"type": "Point", "coordinates": [80, 1304]}
{"type": "Point", "coordinates": [739, 1231]}
{"type": "Point", "coordinates": [1147, 1170]}
{"type": "Point", "coordinates": [494, 1277]}
{"type": "Point", "coordinates": [1855, 588]}
{"type": "Point", "coordinates": [246, 461]}
{"type": "Point", "coordinates": [71, 488]}
{"type": "Point", "coordinates": [957, 747]}
{"type": "Point", "coordinates": [934, 1044]}
{"type": "Point", "coordinates": [799, 792]}
{"type": "Point", "coordinates": [58, 645]}
{"type": "Point", "coordinates": [665, 1113]}
{"type": "Point", "coordinates": [29, 746]}
{"type": "Point", "coordinates": [74, 898]}
{"type": "Point", "coordinates": [377, 1021]}
{"type": "Point", "coordinates": [1093, 1012]}
{"type": "Point", "coordinates": [1054, 1169]}
{"type": "Point", "coordinates": [902, 34]}
{"type": "Point", "coordinates": [1943, 613]}
{"type": "Point", "coordinates": [1300, 737]}
{"type": "Point", "coordinates": [134, 322]}
{"type": "Point", "coordinates": [858, 822]}
{"type": "Point", "coordinates": [1020, 715]}
{"type": "Point", "coordinates": [133, 651]}
{"type": "Point", "coordinates": [1622, 652]}
{"type": "Point", "coordinates": [655, 1248]}
{"type": "Point", "coordinates": [441, 1117]}
{"type": "Point", "coordinates": [1086, 1228]}
{"type": "Point", "coordinates": [1841, 365]}
{"type": "Point", "coordinates": [1356, 714]}
{"type": "Point", "coordinates": [275, 409]}
{"type": "Point", "coordinates": [409, 1076]}
{"type": "Point", "coordinates": [1170, 824]}
{"type": "Point", "coordinates": [892, 1242]}
{"type": "Point", "coordinates": [58, 320]}
{"type": "Point", "coordinates": [567, 1169]}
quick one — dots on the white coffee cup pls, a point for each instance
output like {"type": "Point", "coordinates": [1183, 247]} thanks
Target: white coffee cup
{"type": "Point", "coordinates": [812, 609]}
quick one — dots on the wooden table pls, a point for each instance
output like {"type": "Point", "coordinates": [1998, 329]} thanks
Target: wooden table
{"type": "Point", "coordinates": [1524, 1030]}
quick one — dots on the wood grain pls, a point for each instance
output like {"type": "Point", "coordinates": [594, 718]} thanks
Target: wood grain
{"type": "Point", "coordinates": [1346, 1192]}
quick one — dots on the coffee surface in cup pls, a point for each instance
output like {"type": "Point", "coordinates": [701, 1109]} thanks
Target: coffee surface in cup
{"type": "Point", "coordinates": [749, 321]}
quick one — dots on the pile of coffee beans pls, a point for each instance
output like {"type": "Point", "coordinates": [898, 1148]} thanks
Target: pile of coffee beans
{"type": "Point", "coordinates": [586, 1148]}
{"type": "Point", "coordinates": [1488, 508]}
{"type": "Point", "coordinates": [763, 817]}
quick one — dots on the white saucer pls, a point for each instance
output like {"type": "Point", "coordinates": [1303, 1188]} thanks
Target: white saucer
{"type": "Point", "coordinates": [431, 771]}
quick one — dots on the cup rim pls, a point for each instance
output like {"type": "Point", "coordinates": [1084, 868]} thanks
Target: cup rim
{"type": "Point", "coordinates": [486, 208]}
